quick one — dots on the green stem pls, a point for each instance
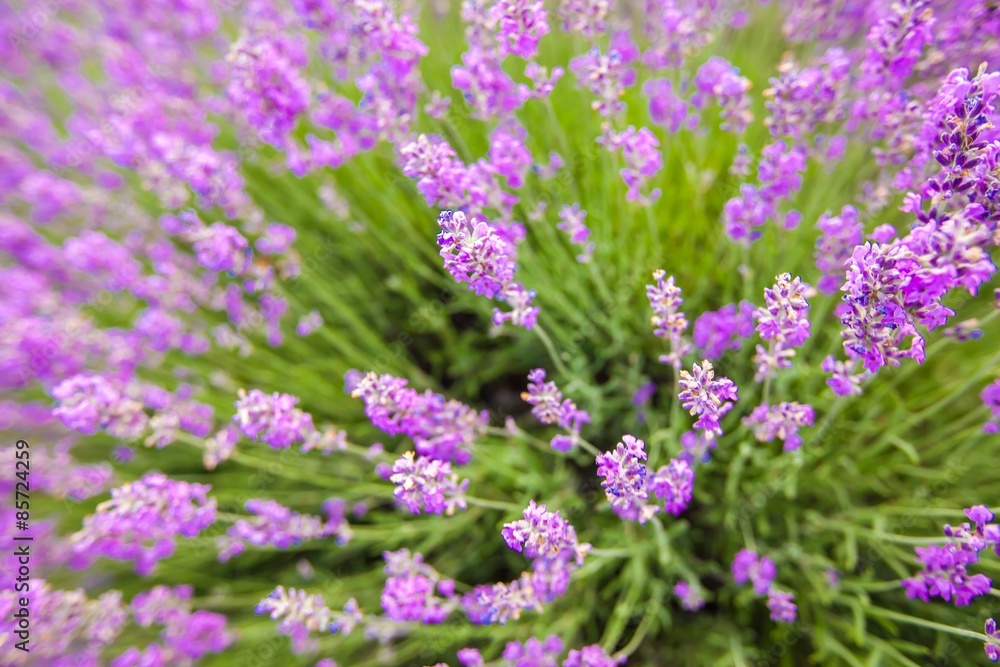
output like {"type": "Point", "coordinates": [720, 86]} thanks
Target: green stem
{"type": "Point", "coordinates": [492, 504]}
{"type": "Point", "coordinates": [913, 620]}
{"type": "Point", "coordinates": [640, 632]}
{"type": "Point", "coordinates": [591, 449]}
{"type": "Point", "coordinates": [547, 342]}
{"type": "Point", "coordinates": [611, 553]}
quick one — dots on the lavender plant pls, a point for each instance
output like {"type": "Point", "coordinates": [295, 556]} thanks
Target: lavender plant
{"type": "Point", "coordinates": [501, 332]}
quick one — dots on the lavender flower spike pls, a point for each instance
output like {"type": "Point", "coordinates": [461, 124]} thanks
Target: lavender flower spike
{"type": "Point", "coordinates": [707, 398]}
{"type": "Point", "coordinates": [670, 322]}
{"type": "Point", "coordinates": [142, 521]}
{"type": "Point", "coordinates": [784, 322]}
{"type": "Point", "coordinates": [475, 253]}
{"type": "Point", "coordinates": [551, 408]}
{"type": "Point", "coordinates": [427, 484]}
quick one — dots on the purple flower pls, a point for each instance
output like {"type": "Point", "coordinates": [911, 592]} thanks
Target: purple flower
{"type": "Point", "coordinates": [716, 332]}
{"type": "Point", "coordinates": [543, 535]}
{"type": "Point", "coordinates": [551, 408]}
{"type": "Point", "coordinates": [697, 447]}
{"type": "Point", "coordinates": [410, 590]}
{"type": "Point", "coordinates": [300, 614]}
{"type": "Point", "coordinates": [673, 484]}
{"type": "Point", "coordinates": [441, 177]}
{"type": "Point", "coordinates": [475, 253]}
{"type": "Point", "coordinates": [441, 429]}
{"type": "Point", "coordinates": [707, 398]}
{"type": "Point", "coordinates": [896, 42]}
{"type": "Point", "coordinates": [945, 575]}
{"type": "Point", "coordinates": [668, 109]}
{"type": "Point", "coordinates": [720, 81]}
{"type": "Point", "coordinates": [587, 17]}
{"type": "Point", "coordinates": [883, 234]}
{"type": "Point", "coordinates": [992, 645]}
{"type": "Point", "coordinates": [801, 101]}
{"type": "Point", "coordinates": [991, 400]}
{"type": "Point", "coordinates": [591, 656]}
{"type": "Point", "coordinates": [309, 323]}
{"type": "Point", "coordinates": [88, 403]}
{"type": "Point", "coordinates": [838, 237]}
{"type": "Point", "coordinates": [628, 484]}
{"type": "Point", "coordinates": [759, 570]}
{"type": "Point", "coordinates": [781, 421]}
{"type": "Point", "coordinates": [534, 652]}
{"type": "Point", "coordinates": [266, 83]}
{"type": "Point", "coordinates": [625, 480]}
{"type": "Point", "coordinates": [272, 419]}
{"type": "Point", "coordinates": [845, 382]}
{"type": "Point", "coordinates": [508, 155]}
{"type": "Point", "coordinates": [521, 24]}
{"type": "Point", "coordinates": [142, 520]}
{"type": "Point", "coordinates": [276, 239]}
{"type": "Point", "coordinates": [470, 657]}
{"type": "Point", "coordinates": [876, 321]}
{"type": "Point", "coordinates": [978, 535]}
{"type": "Point", "coordinates": [784, 322]}
{"type": "Point", "coordinates": [187, 634]}
{"type": "Point", "coordinates": [488, 88]}
{"type": "Point", "coordinates": [551, 544]}
{"type": "Point", "coordinates": [641, 150]}
{"type": "Point", "coordinates": [670, 322]}
{"type": "Point", "coordinates": [427, 484]}
{"type": "Point", "coordinates": [571, 221]}
{"type": "Point", "coordinates": [220, 247]}
{"type": "Point", "coordinates": [782, 606]}
{"type": "Point", "coordinates": [74, 629]}
{"type": "Point", "coordinates": [278, 526]}
{"type": "Point", "coordinates": [690, 596]}
{"type": "Point", "coordinates": [606, 76]}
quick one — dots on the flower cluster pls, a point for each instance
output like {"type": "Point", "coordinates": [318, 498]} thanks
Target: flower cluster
{"type": "Point", "coordinates": [689, 596]}
{"type": "Point", "coordinates": [991, 399]}
{"type": "Point", "coordinates": [571, 221]}
{"type": "Point", "coordinates": [719, 81]}
{"type": "Point", "coordinates": [475, 253]}
{"type": "Point", "coordinates": [781, 421]}
{"type": "Point", "coordinates": [89, 403]}
{"type": "Point", "coordinates": [665, 299]}
{"type": "Point", "coordinates": [779, 172]}
{"type": "Point", "coordinates": [62, 623]}
{"type": "Point", "coordinates": [707, 398]}
{"type": "Point", "coordinates": [640, 149]}
{"type": "Point", "coordinates": [629, 485]}
{"type": "Point", "coordinates": [839, 235]}
{"type": "Point", "coordinates": [142, 520]}
{"type": "Point", "coordinates": [186, 634]}
{"type": "Point", "coordinates": [783, 321]}
{"type": "Point", "coordinates": [541, 653]}
{"type": "Point", "coordinates": [667, 108]}
{"type": "Point", "coordinates": [945, 567]}
{"type": "Point", "coordinates": [273, 524]}
{"type": "Point", "coordinates": [163, 164]}
{"type": "Point", "coordinates": [412, 589]}
{"type": "Point", "coordinates": [429, 485]}
{"type": "Point", "coordinates": [301, 614]}
{"type": "Point", "coordinates": [549, 407]}
{"type": "Point", "coordinates": [719, 331]}
{"type": "Point", "coordinates": [992, 645]}
{"type": "Point", "coordinates": [272, 419]}
{"type": "Point", "coordinates": [761, 572]}
{"type": "Point", "coordinates": [442, 429]}
{"type": "Point", "coordinates": [550, 542]}
{"type": "Point", "coordinates": [606, 75]}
